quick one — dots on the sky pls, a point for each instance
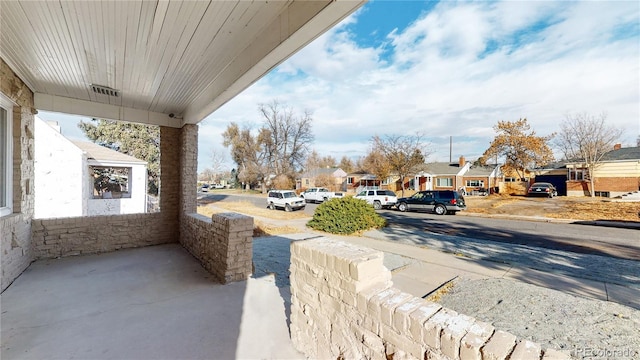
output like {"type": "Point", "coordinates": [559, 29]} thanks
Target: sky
{"type": "Point", "coordinates": [450, 69]}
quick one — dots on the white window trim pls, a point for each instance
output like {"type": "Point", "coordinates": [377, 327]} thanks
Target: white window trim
{"type": "Point", "coordinates": [7, 105]}
{"type": "Point", "coordinates": [444, 178]}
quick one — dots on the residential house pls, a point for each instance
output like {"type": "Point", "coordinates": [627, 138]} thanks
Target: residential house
{"type": "Point", "coordinates": [442, 176]}
{"type": "Point", "coordinates": [79, 178]}
{"type": "Point", "coordinates": [482, 178]}
{"type": "Point", "coordinates": [458, 176]}
{"type": "Point", "coordinates": [358, 180]}
{"type": "Point", "coordinates": [308, 179]}
{"type": "Point", "coordinates": [616, 175]}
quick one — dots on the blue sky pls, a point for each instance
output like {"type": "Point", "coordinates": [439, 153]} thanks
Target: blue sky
{"type": "Point", "coordinates": [452, 69]}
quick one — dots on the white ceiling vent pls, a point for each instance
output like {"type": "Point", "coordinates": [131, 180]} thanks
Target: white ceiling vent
{"type": "Point", "coordinates": [105, 90]}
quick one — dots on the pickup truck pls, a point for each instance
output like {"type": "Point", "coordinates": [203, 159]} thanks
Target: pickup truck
{"type": "Point", "coordinates": [319, 194]}
{"type": "Point", "coordinates": [378, 198]}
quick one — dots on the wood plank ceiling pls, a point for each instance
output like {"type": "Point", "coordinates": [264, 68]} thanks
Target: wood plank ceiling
{"type": "Point", "coordinates": [185, 58]}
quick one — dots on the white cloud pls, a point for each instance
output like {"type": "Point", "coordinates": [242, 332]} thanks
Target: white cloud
{"type": "Point", "coordinates": [548, 59]}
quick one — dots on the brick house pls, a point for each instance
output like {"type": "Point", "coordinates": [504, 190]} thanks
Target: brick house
{"type": "Point", "coordinates": [360, 179]}
{"type": "Point", "coordinates": [457, 176]}
{"type": "Point", "coordinates": [616, 175]}
{"type": "Point", "coordinates": [137, 66]}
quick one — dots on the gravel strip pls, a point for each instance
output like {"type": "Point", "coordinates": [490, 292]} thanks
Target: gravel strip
{"type": "Point", "coordinates": [587, 328]}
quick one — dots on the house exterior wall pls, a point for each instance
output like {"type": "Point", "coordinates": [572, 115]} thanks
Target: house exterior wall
{"type": "Point", "coordinates": [615, 186]}
{"type": "Point", "coordinates": [614, 177]}
{"type": "Point", "coordinates": [60, 175]}
{"type": "Point", "coordinates": [343, 305]}
{"type": "Point", "coordinates": [619, 169]}
{"type": "Point", "coordinates": [15, 229]}
{"type": "Point", "coordinates": [136, 204]}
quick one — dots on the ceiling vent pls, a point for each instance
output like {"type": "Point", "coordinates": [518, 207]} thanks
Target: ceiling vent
{"type": "Point", "coordinates": [105, 90]}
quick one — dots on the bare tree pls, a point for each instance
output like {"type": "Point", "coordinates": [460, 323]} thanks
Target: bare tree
{"type": "Point", "coordinates": [285, 138]}
{"type": "Point", "coordinates": [280, 146]}
{"type": "Point", "coordinates": [217, 161]}
{"type": "Point", "coordinates": [206, 175]}
{"type": "Point", "coordinates": [587, 139]}
{"type": "Point", "coordinates": [313, 161]}
{"type": "Point", "coordinates": [520, 146]}
{"type": "Point", "coordinates": [346, 164]}
{"type": "Point", "coordinates": [404, 155]}
{"type": "Point", "coordinates": [325, 180]}
{"type": "Point", "coordinates": [638, 141]}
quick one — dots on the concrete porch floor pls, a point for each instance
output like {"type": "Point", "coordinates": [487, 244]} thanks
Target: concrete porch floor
{"type": "Point", "coordinates": [148, 303]}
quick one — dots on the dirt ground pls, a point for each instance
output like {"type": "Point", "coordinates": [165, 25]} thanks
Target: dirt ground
{"type": "Point", "coordinates": [558, 207]}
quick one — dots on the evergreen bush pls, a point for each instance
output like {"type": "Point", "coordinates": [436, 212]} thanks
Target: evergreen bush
{"type": "Point", "coordinates": [345, 216]}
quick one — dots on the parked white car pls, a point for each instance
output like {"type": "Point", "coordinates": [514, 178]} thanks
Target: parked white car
{"type": "Point", "coordinates": [284, 199]}
{"type": "Point", "coordinates": [378, 198]}
{"type": "Point", "coordinates": [319, 194]}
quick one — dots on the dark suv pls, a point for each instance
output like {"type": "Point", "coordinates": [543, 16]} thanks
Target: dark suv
{"type": "Point", "coordinates": [438, 201]}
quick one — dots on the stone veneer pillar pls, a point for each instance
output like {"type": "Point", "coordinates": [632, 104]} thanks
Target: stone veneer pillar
{"type": "Point", "coordinates": [15, 229]}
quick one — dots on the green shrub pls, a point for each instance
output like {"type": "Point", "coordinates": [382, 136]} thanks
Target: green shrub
{"type": "Point", "coordinates": [345, 216]}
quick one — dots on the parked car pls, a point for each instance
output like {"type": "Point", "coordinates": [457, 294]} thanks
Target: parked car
{"type": "Point", "coordinates": [378, 198]}
{"type": "Point", "coordinates": [542, 189]}
{"type": "Point", "coordinates": [438, 201]}
{"type": "Point", "coordinates": [319, 194]}
{"type": "Point", "coordinates": [284, 199]}
{"type": "Point", "coordinates": [205, 188]}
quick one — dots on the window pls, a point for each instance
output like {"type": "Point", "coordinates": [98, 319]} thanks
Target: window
{"type": "Point", "coordinates": [6, 156]}
{"type": "Point", "coordinates": [350, 180]}
{"type": "Point", "coordinates": [576, 174]}
{"type": "Point", "coordinates": [475, 183]}
{"type": "Point", "coordinates": [306, 181]}
{"type": "Point", "coordinates": [509, 179]}
{"type": "Point", "coordinates": [110, 182]}
{"type": "Point", "coordinates": [444, 182]}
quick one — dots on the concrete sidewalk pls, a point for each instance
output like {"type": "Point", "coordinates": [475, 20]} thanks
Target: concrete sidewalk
{"type": "Point", "coordinates": [433, 268]}
{"type": "Point", "coordinates": [423, 262]}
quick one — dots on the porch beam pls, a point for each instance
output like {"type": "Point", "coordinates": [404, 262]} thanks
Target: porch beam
{"type": "Point", "coordinates": [67, 105]}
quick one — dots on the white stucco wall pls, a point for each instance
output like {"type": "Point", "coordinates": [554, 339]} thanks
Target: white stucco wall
{"type": "Point", "coordinates": [59, 174]}
{"type": "Point", "coordinates": [134, 205]}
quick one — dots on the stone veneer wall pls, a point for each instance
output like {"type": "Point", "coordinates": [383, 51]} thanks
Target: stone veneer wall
{"type": "Point", "coordinates": [15, 229]}
{"type": "Point", "coordinates": [222, 244]}
{"type": "Point", "coordinates": [344, 306]}
{"type": "Point", "coordinates": [61, 237]}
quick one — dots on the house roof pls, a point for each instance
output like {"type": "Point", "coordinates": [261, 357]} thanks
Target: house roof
{"type": "Point", "coordinates": [441, 168]}
{"type": "Point", "coordinates": [480, 171]}
{"type": "Point", "coordinates": [320, 171]}
{"type": "Point", "coordinates": [167, 63]}
{"type": "Point", "coordinates": [629, 153]}
{"type": "Point", "coordinates": [104, 154]}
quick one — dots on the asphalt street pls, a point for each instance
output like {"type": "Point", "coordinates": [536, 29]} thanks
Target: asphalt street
{"type": "Point", "coordinates": [578, 238]}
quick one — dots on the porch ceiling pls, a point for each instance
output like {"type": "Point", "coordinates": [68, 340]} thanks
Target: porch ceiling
{"type": "Point", "coordinates": [185, 58]}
